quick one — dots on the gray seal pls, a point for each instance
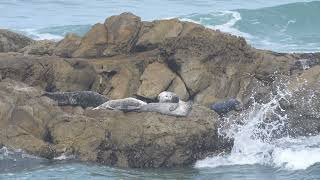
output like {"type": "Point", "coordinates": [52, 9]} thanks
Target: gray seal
{"type": "Point", "coordinates": [169, 104]}
{"type": "Point", "coordinates": [77, 98]}
{"type": "Point", "coordinates": [224, 107]}
{"type": "Point", "coordinates": [126, 104]}
{"type": "Point", "coordinates": [168, 97]}
{"type": "Point", "coordinates": [172, 109]}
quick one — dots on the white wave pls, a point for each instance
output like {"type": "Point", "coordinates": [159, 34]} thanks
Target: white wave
{"type": "Point", "coordinates": [34, 34]}
{"type": "Point", "coordinates": [64, 157]}
{"type": "Point", "coordinates": [226, 27]}
{"type": "Point", "coordinates": [14, 154]}
{"type": "Point", "coordinates": [256, 141]}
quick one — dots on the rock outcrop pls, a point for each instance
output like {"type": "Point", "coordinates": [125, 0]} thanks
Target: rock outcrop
{"type": "Point", "coordinates": [12, 42]}
{"type": "Point", "coordinates": [127, 57]}
{"type": "Point", "coordinates": [93, 43]}
{"type": "Point", "coordinates": [67, 46]}
{"type": "Point", "coordinates": [156, 78]}
{"type": "Point", "coordinates": [42, 47]}
{"type": "Point", "coordinates": [36, 124]}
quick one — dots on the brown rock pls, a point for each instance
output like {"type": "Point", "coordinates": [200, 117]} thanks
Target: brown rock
{"type": "Point", "coordinates": [122, 33]}
{"type": "Point", "coordinates": [156, 33]}
{"type": "Point", "coordinates": [40, 127]}
{"type": "Point", "coordinates": [72, 76]}
{"type": "Point", "coordinates": [120, 84]}
{"type": "Point", "coordinates": [156, 78]}
{"type": "Point", "coordinates": [93, 43]}
{"type": "Point", "coordinates": [12, 42]}
{"type": "Point", "coordinates": [67, 46]}
{"type": "Point", "coordinates": [177, 86]}
{"type": "Point", "coordinates": [42, 47]}
{"type": "Point", "coordinates": [153, 141]}
{"type": "Point", "coordinates": [196, 76]}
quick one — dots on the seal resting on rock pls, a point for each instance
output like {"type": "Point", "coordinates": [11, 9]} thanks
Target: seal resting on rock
{"type": "Point", "coordinates": [77, 98]}
{"type": "Point", "coordinates": [172, 109]}
{"type": "Point", "coordinates": [169, 104]}
{"type": "Point", "coordinates": [224, 107]}
{"type": "Point", "coordinates": [126, 104]}
{"type": "Point", "coordinates": [168, 97]}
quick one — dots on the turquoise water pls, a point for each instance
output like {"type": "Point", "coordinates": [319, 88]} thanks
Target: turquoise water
{"type": "Point", "coordinates": [78, 171]}
{"type": "Point", "coordinates": [38, 169]}
{"type": "Point", "coordinates": [285, 26]}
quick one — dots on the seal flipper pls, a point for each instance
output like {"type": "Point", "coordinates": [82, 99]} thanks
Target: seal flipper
{"type": "Point", "coordinates": [174, 107]}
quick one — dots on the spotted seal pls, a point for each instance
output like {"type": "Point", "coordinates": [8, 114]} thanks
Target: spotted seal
{"type": "Point", "coordinates": [168, 97]}
{"type": "Point", "coordinates": [173, 109]}
{"type": "Point", "coordinates": [126, 104]}
{"type": "Point", "coordinates": [169, 104]}
{"type": "Point", "coordinates": [77, 98]}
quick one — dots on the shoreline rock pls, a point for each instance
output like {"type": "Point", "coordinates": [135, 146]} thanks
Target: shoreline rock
{"type": "Point", "coordinates": [38, 125]}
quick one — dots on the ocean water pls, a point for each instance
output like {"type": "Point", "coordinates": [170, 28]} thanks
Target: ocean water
{"type": "Point", "coordinates": [285, 26]}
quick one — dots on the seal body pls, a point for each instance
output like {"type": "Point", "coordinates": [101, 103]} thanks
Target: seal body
{"type": "Point", "coordinates": [77, 98]}
{"type": "Point", "coordinates": [173, 109]}
{"type": "Point", "coordinates": [126, 104]}
{"type": "Point", "coordinates": [226, 106]}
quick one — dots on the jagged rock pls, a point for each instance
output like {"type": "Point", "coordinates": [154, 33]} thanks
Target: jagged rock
{"type": "Point", "coordinates": [120, 84]}
{"type": "Point", "coordinates": [72, 76]}
{"type": "Point", "coordinates": [50, 73]}
{"type": "Point", "coordinates": [177, 86]}
{"type": "Point", "coordinates": [156, 33]}
{"type": "Point", "coordinates": [156, 78]}
{"type": "Point", "coordinates": [12, 42]}
{"type": "Point", "coordinates": [93, 43]}
{"type": "Point", "coordinates": [196, 77]}
{"type": "Point", "coordinates": [123, 32]}
{"type": "Point", "coordinates": [42, 47]}
{"type": "Point", "coordinates": [37, 125]}
{"type": "Point", "coordinates": [67, 46]}
{"type": "Point", "coordinates": [302, 107]}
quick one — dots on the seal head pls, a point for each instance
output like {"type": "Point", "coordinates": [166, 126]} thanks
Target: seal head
{"type": "Point", "coordinates": [168, 97]}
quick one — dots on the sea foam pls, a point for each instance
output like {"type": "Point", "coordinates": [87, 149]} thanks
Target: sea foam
{"type": "Point", "coordinates": [266, 143]}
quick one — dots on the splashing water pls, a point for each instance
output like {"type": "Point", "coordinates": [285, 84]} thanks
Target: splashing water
{"type": "Point", "coordinates": [261, 137]}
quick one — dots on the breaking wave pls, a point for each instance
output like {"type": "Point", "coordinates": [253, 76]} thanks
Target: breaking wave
{"type": "Point", "coordinates": [260, 140]}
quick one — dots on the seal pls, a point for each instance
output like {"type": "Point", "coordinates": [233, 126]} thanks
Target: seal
{"type": "Point", "coordinates": [168, 97]}
{"type": "Point", "coordinates": [77, 98]}
{"type": "Point", "coordinates": [172, 109]}
{"type": "Point", "coordinates": [126, 104]}
{"type": "Point", "coordinates": [169, 104]}
{"type": "Point", "coordinates": [224, 107]}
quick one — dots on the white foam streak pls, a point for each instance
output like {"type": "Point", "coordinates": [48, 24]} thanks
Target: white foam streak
{"type": "Point", "coordinates": [41, 36]}
{"type": "Point", "coordinates": [64, 157]}
{"type": "Point", "coordinates": [226, 27]}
